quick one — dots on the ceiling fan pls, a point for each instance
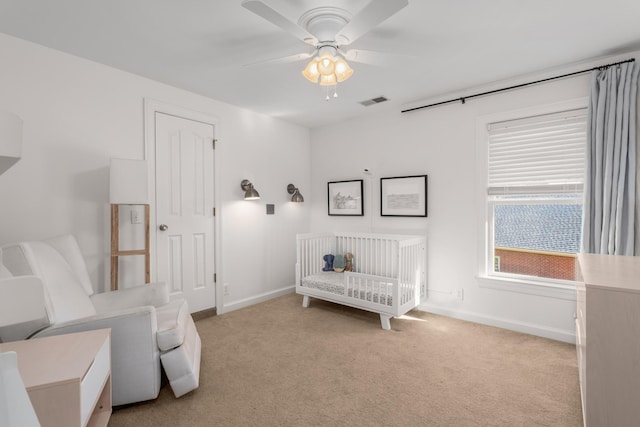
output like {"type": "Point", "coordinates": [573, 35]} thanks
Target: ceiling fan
{"type": "Point", "coordinates": [329, 30]}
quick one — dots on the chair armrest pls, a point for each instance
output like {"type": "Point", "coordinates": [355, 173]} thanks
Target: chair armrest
{"type": "Point", "coordinates": [138, 321]}
{"type": "Point", "coordinates": [21, 300]}
{"type": "Point", "coordinates": [22, 307]}
{"type": "Point", "coordinates": [135, 357]}
{"type": "Point", "coordinates": [154, 294]}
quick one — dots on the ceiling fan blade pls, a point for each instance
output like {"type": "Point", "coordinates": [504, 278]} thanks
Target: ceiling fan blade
{"type": "Point", "coordinates": [277, 19]}
{"type": "Point", "coordinates": [370, 16]}
{"type": "Point", "coordinates": [382, 59]}
{"type": "Point", "coordinates": [282, 60]}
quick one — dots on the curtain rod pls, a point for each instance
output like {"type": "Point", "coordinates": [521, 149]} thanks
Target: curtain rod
{"type": "Point", "coordinates": [463, 99]}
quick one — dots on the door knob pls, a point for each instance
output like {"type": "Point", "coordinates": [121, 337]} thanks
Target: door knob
{"type": "Point", "coordinates": [163, 227]}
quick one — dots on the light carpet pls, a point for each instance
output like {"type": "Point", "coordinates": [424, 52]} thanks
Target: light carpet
{"type": "Point", "coordinates": [279, 364]}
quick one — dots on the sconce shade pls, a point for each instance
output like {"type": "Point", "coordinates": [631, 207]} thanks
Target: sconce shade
{"type": "Point", "coordinates": [10, 140]}
{"type": "Point", "coordinates": [297, 197]}
{"type": "Point", "coordinates": [128, 182]}
{"type": "Point", "coordinates": [250, 192]}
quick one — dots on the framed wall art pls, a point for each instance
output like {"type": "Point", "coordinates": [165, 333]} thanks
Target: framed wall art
{"type": "Point", "coordinates": [345, 197]}
{"type": "Point", "coordinates": [403, 196]}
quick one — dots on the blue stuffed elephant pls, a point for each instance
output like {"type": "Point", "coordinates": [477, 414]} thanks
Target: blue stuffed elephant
{"type": "Point", "coordinates": [328, 262]}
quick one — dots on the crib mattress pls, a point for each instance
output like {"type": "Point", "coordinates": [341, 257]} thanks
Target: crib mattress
{"type": "Point", "coordinates": [330, 281]}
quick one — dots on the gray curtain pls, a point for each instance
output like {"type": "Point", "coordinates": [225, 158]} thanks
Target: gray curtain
{"type": "Point", "coordinates": [610, 182]}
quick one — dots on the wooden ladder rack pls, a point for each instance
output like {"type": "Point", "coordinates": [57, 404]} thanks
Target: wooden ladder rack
{"type": "Point", "coordinates": [115, 246]}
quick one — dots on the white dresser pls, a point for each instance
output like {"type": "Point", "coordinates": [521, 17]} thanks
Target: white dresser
{"type": "Point", "coordinates": [608, 339]}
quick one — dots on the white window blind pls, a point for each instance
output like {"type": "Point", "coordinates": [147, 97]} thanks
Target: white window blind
{"type": "Point", "coordinates": [535, 155]}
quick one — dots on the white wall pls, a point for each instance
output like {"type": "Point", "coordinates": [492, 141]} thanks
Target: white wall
{"type": "Point", "coordinates": [440, 142]}
{"type": "Point", "coordinates": [78, 114]}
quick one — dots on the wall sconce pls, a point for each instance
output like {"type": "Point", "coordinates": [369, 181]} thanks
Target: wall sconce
{"type": "Point", "coordinates": [250, 193]}
{"type": "Point", "coordinates": [297, 197]}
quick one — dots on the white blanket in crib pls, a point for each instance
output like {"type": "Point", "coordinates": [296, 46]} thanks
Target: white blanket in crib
{"type": "Point", "coordinates": [330, 281]}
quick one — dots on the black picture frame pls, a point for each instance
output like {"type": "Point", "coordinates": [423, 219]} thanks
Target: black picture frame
{"type": "Point", "coordinates": [404, 196]}
{"type": "Point", "coordinates": [345, 198]}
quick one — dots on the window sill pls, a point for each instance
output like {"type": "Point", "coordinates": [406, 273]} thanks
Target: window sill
{"type": "Point", "coordinates": [531, 287]}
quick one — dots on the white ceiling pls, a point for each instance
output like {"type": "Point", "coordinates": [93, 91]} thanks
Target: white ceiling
{"type": "Point", "coordinates": [205, 46]}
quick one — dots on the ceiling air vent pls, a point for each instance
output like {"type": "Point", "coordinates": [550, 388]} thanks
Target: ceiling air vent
{"type": "Point", "coordinates": [372, 101]}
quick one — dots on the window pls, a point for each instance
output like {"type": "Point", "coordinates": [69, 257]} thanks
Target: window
{"type": "Point", "coordinates": [535, 176]}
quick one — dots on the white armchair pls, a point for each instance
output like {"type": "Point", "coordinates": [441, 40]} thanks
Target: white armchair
{"type": "Point", "coordinates": [148, 331]}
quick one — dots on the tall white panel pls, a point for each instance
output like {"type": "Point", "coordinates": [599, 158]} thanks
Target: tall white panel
{"type": "Point", "coordinates": [175, 263]}
{"type": "Point", "coordinates": [199, 259]}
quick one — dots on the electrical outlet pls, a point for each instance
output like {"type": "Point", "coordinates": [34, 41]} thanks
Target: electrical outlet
{"type": "Point", "coordinates": [460, 294]}
{"type": "Point", "coordinates": [225, 288]}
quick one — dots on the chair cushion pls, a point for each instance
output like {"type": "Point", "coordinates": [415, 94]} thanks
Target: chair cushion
{"type": "Point", "coordinates": [172, 324]}
{"type": "Point", "coordinates": [182, 364]}
{"type": "Point", "coordinates": [15, 260]}
{"type": "Point", "coordinates": [68, 247]}
{"type": "Point", "coordinates": [65, 297]}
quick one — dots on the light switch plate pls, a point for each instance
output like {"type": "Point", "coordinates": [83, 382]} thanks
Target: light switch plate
{"type": "Point", "coordinates": [135, 216]}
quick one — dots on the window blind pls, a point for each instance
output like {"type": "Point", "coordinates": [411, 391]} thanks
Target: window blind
{"type": "Point", "coordinates": [541, 154]}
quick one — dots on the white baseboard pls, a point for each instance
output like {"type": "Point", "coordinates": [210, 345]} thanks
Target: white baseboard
{"type": "Point", "coordinates": [512, 325]}
{"type": "Point", "coordinates": [246, 302]}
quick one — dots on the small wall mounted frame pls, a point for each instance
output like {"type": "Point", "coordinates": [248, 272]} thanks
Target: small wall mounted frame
{"type": "Point", "coordinates": [403, 196]}
{"type": "Point", "coordinates": [345, 198]}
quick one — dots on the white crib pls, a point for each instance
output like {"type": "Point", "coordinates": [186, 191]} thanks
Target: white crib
{"type": "Point", "coordinates": [388, 277]}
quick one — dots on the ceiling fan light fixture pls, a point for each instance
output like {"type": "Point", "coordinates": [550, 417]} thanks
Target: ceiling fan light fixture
{"type": "Point", "coordinates": [328, 80]}
{"type": "Point", "coordinates": [327, 28]}
{"type": "Point", "coordinates": [326, 64]}
{"type": "Point", "coordinates": [327, 70]}
{"type": "Point", "coordinates": [343, 70]}
{"type": "Point", "coordinates": [311, 72]}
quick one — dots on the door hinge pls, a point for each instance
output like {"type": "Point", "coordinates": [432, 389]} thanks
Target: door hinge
{"type": "Point", "coordinates": [214, 143]}
{"type": "Point", "coordinates": [214, 211]}
{"type": "Point", "coordinates": [215, 278]}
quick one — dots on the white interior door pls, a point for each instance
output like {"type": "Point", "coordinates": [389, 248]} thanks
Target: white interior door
{"type": "Point", "coordinates": [184, 208]}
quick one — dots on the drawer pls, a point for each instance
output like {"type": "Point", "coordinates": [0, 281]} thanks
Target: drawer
{"type": "Point", "coordinates": [94, 380]}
